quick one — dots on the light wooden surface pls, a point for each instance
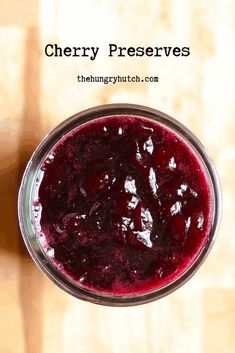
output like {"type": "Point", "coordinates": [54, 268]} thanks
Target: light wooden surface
{"type": "Point", "coordinates": [38, 92]}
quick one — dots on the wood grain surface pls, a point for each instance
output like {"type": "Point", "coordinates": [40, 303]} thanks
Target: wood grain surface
{"type": "Point", "coordinates": [39, 92]}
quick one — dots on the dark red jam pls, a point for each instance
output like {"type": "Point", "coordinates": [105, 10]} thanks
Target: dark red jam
{"type": "Point", "coordinates": [125, 205]}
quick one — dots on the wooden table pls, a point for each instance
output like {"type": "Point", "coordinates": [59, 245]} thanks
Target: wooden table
{"type": "Point", "coordinates": [38, 92]}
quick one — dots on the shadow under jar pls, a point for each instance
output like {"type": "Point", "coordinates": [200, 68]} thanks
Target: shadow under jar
{"type": "Point", "coordinates": [119, 205]}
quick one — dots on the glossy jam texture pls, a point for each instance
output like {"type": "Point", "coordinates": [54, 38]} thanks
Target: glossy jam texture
{"type": "Point", "coordinates": [125, 205]}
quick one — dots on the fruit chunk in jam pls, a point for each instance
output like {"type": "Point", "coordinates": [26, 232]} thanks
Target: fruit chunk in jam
{"type": "Point", "coordinates": [125, 205]}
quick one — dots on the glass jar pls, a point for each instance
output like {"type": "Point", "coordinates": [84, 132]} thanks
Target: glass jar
{"type": "Point", "coordinates": [29, 185]}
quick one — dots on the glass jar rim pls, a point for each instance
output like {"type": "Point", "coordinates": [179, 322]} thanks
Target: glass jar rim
{"type": "Point", "coordinates": [25, 193]}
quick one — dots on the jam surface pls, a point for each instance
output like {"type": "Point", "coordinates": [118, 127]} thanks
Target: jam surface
{"type": "Point", "coordinates": [125, 205]}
